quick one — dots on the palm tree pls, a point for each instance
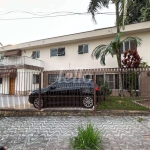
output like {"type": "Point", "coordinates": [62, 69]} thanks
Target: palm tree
{"type": "Point", "coordinates": [1, 44]}
{"type": "Point", "coordinates": [121, 9]}
{"type": "Point", "coordinates": [114, 47]}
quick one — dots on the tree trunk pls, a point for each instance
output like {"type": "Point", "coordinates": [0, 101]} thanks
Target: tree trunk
{"type": "Point", "coordinates": [118, 54]}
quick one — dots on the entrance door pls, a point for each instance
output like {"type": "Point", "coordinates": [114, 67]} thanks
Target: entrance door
{"type": "Point", "coordinates": [12, 86]}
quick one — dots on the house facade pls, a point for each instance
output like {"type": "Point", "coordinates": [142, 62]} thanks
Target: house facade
{"type": "Point", "coordinates": [69, 52]}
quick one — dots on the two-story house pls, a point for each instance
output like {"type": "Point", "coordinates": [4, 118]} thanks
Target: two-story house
{"type": "Point", "coordinates": [68, 52]}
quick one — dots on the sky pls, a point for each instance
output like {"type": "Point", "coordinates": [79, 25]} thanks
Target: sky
{"type": "Point", "coordinates": [19, 31]}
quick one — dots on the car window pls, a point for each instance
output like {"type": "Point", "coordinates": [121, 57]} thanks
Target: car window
{"type": "Point", "coordinates": [54, 85]}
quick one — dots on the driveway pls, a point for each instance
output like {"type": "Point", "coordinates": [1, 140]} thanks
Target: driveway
{"type": "Point", "coordinates": [11, 101]}
{"type": "Point", "coordinates": [21, 102]}
{"type": "Point", "coordinates": [53, 133]}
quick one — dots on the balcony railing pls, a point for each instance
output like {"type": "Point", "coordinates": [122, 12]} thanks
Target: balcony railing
{"type": "Point", "coordinates": [21, 60]}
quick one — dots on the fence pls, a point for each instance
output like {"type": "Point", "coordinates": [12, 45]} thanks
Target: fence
{"type": "Point", "coordinates": [83, 89]}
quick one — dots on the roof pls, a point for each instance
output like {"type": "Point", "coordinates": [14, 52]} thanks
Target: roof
{"type": "Point", "coordinates": [88, 35]}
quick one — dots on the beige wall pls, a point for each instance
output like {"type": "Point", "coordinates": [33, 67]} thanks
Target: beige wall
{"type": "Point", "coordinates": [76, 61]}
{"type": "Point", "coordinates": [84, 61]}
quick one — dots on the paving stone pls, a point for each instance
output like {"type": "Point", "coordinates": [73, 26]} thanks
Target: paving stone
{"type": "Point", "coordinates": [53, 133]}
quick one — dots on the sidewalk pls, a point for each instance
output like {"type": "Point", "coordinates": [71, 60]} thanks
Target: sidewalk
{"type": "Point", "coordinates": [53, 133]}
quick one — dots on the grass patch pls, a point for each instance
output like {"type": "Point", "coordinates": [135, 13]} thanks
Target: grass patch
{"type": "Point", "coordinates": [86, 113]}
{"type": "Point", "coordinates": [118, 103]}
{"type": "Point", "coordinates": [140, 119]}
{"type": "Point", "coordinates": [87, 139]}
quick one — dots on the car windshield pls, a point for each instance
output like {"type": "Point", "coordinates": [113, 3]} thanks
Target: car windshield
{"type": "Point", "coordinates": [50, 86]}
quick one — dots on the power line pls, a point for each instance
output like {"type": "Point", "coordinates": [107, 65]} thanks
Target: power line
{"type": "Point", "coordinates": [47, 13]}
{"type": "Point", "coordinates": [48, 16]}
{"type": "Point", "coordinates": [37, 13]}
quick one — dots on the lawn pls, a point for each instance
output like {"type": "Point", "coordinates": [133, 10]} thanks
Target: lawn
{"type": "Point", "coordinates": [118, 103]}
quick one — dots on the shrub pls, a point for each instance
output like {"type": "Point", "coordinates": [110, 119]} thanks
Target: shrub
{"type": "Point", "coordinates": [87, 139]}
{"type": "Point", "coordinates": [105, 90]}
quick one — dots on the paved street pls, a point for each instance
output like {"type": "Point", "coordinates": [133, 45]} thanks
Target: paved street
{"type": "Point", "coordinates": [53, 133]}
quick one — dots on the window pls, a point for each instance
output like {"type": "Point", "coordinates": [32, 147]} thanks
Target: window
{"type": "Point", "coordinates": [128, 45]}
{"type": "Point", "coordinates": [130, 81]}
{"type": "Point", "coordinates": [110, 80]}
{"type": "Point", "coordinates": [52, 78]}
{"type": "Point", "coordinates": [82, 49]}
{"type": "Point", "coordinates": [57, 52]}
{"type": "Point", "coordinates": [35, 54]}
{"type": "Point", "coordinates": [116, 81]}
{"type": "Point", "coordinates": [1, 80]}
{"type": "Point", "coordinates": [100, 80]}
{"type": "Point", "coordinates": [113, 80]}
{"type": "Point", "coordinates": [35, 78]}
{"type": "Point", "coordinates": [88, 76]}
{"type": "Point", "coordinates": [1, 57]}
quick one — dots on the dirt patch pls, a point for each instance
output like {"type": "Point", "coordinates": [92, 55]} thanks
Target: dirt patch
{"type": "Point", "coordinates": [145, 103]}
{"type": "Point", "coordinates": [120, 101]}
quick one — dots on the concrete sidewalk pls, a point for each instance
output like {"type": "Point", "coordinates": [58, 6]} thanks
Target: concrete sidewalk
{"type": "Point", "coordinates": [53, 133]}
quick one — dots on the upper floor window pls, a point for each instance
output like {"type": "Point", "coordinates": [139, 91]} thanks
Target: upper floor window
{"type": "Point", "coordinates": [128, 45]}
{"type": "Point", "coordinates": [35, 54]}
{"type": "Point", "coordinates": [82, 49]}
{"type": "Point", "coordinates": [57, 52]}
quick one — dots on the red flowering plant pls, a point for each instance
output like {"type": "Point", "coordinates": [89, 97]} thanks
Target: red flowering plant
{"type": "Point", "coordinates": [131, 60]}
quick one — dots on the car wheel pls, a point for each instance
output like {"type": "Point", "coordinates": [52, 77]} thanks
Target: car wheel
{"type": "Point", "coordinates": [88, 102]}
{"type": "Point", "coordinates": [36, 103]}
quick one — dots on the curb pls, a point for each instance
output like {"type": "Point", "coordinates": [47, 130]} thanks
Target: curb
{"type": "Point", "coordinates": [33, 113]}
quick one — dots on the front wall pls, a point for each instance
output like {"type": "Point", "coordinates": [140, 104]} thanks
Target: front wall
{"type": "Point", "coordinates": [24, 81]}
{"type": "Point", "coordinates": [4, 87]}
{"type": "Point", "coordinates": [145, 84]}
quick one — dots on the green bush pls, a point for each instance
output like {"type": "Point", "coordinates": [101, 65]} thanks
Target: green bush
{"type": "Point", "coordinates": [87, 139]}
{"type": "Point", "coordinates": [105, 90]}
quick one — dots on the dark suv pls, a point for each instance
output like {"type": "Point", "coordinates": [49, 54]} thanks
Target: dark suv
{"type": "Point", "coordinates": [70, 92]}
